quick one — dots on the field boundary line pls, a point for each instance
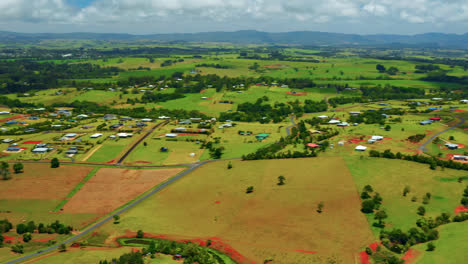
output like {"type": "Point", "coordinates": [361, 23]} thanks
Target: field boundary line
{"type": "Point", "coordinates": [76, 189]}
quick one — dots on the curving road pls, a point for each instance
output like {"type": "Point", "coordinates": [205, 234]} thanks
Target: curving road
{"type": "Point", "coordinates": [110, 217]}
{"type": "Point", "coordinates": [424, 145]}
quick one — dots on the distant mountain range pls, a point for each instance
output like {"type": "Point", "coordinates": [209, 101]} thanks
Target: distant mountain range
{"type": "Point", "coordinates": [309, 38]}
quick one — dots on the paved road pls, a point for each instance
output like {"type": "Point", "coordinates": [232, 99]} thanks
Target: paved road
{"type": "Point", "coordinates": [139, 141]}
{"type": "Point", "coordinates": [110, 217]}
{"type": "Point", "coordinates": [288, 129]}
{"type": "Point", "coordinates": [424, 145]}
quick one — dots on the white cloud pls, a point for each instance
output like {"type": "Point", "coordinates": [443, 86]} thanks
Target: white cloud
{"type": "Point", "coordinates": [227, 12]}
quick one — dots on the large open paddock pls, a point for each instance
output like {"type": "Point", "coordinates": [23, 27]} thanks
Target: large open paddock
{"type": "Point", "coordinates": [279, 222]}
{"type": "Point", "coordinates": [33, 195]}
{"type": "Point", "coordinates": [390, 177]}
{"type": "Point", "coordinates": [111, 188]}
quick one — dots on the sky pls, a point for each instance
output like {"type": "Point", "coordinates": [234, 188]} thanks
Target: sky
{"type": "Point", "coordinates": [188, 16]}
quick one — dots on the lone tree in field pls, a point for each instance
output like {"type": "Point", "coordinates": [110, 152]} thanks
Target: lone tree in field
{"type": "Point", "coordinates": [368, 189]}
{"type": "Point", "coordinates": [250, 189]}
{"type": "Point", "coordinates": [116, 219]}
{"type": "Point", "coordinates": [281, 180]}
{"type": "Point", "coordinates": [406, 190]}
{"type": "Point", "coordinates": [54, 163]}
{"type": "Point", "coordinates": [140, 234]}
{"type": "Point", "coordinates": [229, 166]}
{"type": "Point", "coordinates": [27, 237]}
{"type": "Point", "coordinates": [380, 216]}
{"type": "Point", "coordinates": [430, 247]}
{"type": "Point", "coordinates": [4, 170]}
{"type": "Point", "coordinates": [320, 207]}
{"type": "Point", "coordinates": [18, 167]}
{"type": "Point", "coordinates": [421, 210]}
{"type": "Point", "coordinates": [380, 68]}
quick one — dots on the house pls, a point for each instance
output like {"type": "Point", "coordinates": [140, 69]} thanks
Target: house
{"type": "Point", "coordinates": [124, 135]}
{"type": "Point", "coordinates": [171, 135]}
{"type": "Point", "coordinates": [451, 146]}
{"type": "Point", "coordinates": [110, 117]}
{"type": "Point", "coordinates": [116, 126]}
{"type": "Point", "coordinates": [437, 99]}
{"type": "Point", "coordinates": [354, 113]}
{"type": "Point", "coordinates": [12, 122]}
{"type": "Point", "coordinates": [82, 116]}
{"type": "Point", "coordinates": [164, 149]}
{"type": "Point", "coordinates": [333, 122]}
{"type": "Point", "coordinates": [426, 122]}
{"type": "Point", "coordinates": [4, 112]}
{"type": "Point", "coordinates": [179, 130]}
{"type": "Point", "coordinates": [322, 117]}
{"type": "Point", "coordinates": [40, 150]}
{"type": "Point", "coordinates": [195, 119]}
{"type": "Point", "coordinates": [96, 135]}
{"type": "Point", "coordinates": [204, 98]}
{"type": "Point", "coordinates": [13, 149]}
{"type": "Point", "coordinates": [371, 141]}
{"type": "Point", "coordinates": [87, 127]}
{"type": "Point", "coordinates": [41, 145]}
{"type": "Point", "coordinates": [464, 101]}
{"type": "Point", "coordinates": [435, 118]}
{"type": "Point", "coordinates": [185, 122]}
{"type": "Point", "coordinates": [71, 135]}
{"type": "Point", "coordinates": [360, 148]}
{"type": "Point", "coordinates": [140, 124]}
{"type": "Point", "coordinates": [262, 136]}
{"type": "Point", "coordinates": [343, 124]}
{"type": "Point", "coordinates": [55, 125]}
{"type": "Point", "coordinates": [377, 138]}
{"type": "Point", "coordinates": [72, 151]}
{"type": "Point", "coordinates": [29, 130]}
{"type": "Point", "coordinates": [164, 117]}
{"type": "Point", "coordinates": [460, 158]}
{"type": "Point", "coordinates": [433, 108]}
{"type": "Point", "coordinates": [33, 118]}
{"type": "Point", "coordinates": [53, 115]}
{"type": "Point", "coordinates": [146, 120]}
{"type": "Point", "coordinates": [126, 118]}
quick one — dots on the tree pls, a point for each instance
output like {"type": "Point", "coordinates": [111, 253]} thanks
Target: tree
{"type": "Point", "coordinates": [406, 190]}
{"type": "Point", "coordinates": [27, 237]}
{"type": "Point", "coordinates": [464, 201]}
{"type": "Point", "coordinates": [368, 189]}
{"type": "Point", "coordinates": [62, 248]}
{"type": "Point", "coordinates": [365, 195]}
{"type": "Point", "coordinates": [145, 144]}
{"type": "Point", "coordinates": [2, 238]}
{"type": "Point", "coordinates": [380, 216]}
{"type": "Point", "coordinates": [229, 166]}
{"type": "Point", "coordinates": [116, 219]}
{"type": "Point", "coordinates": [388, 128]}
{"type": "Point", "coordinates": [4, 169]}
{"type": "Point", "coordinates": [465, 192]}
{"type": "Point", "coordinates": [320, 207]}
{"type": "Point", "coordinates": [21, 229]}
{"type": "Point", "coordinates": [18, 248]}
{"type": "Point", "coordinates": [421, 210]}
{"type": "Point", "coordinates": [430, 247]}
{"type": "Point", "coordinates": [368, 206]}
{"type": "Point", "coordinates": [140, 234]}
{"type": "Point", "coordinates": [54, 163]}
{"type": "Point", "coordinates": [250, 189]}
{"type": "Point", "coordinates": [281, 180]}
{"type": "Point", "coordinates": [380, 68]}
{"type": "Point", "coordinates": [18, 167]}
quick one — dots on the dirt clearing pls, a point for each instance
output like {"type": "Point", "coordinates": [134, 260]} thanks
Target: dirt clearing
{"type": "Point", "coordinates": [111, 188]}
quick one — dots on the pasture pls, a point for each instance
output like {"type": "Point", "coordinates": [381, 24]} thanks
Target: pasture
{"type": "Point", "coordinates": [272, 222]}
{"type": "Point", "coordinates": [390, 177]}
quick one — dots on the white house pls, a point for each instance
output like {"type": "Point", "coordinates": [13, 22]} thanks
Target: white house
{"type": "Point", "coordinates": [322, 117]}
{"type": "Point", "coordinates": [96, 136]}
{"type": "Point", "coordinates": [377, 138]}
{"type": "Point", "coordinates": [146, 120]}
{"type": "Point", "coordinates": [164, 117]}
{"type": "Point", "coordinates": [124, 135]}
{"type": "Point", "coordinates": [171, 135]}
{"type": "Point", "coordinates": [334, 122]}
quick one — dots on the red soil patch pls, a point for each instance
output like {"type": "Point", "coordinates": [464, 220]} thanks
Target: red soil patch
{"type": "Point", "coordinates": [297, 93]}
{"type": "Point", "coordinates": [111, 188]}
{"type": "Point", "coordinates": [374, 246]}
{"type": "Point", "coordinates": [461, 111]}
{"type": "Point", "coordinates": [428, 131]}
{"type": "Point", "coordinates": [387, 138]}
{"type": "Point", "coordinates": [46, 239]}
{"type": "Point", "coordinates": [32, 142]}
{"type": "Point", "coordinates": [8, 238]}
{"type": "Point", "coordinates": [364, 257]}
{"type": "Point", "coordinates": [410, 256]}
{"type": "Point", "coordinates": [217, 202]}
{"type": "Point", "coordinates": [12, 118]}
{"type": "Point", "coordinates": [202, 91]}
{"type": "Point", "coordinates": [355, 141]}
{"type": "Point", "coordinates": [305, 251]}
{"type": "Point", "coordinates": [460, 146]}
{"type": "Point", "coordinates": [273, 66]}
{"type": "Point", "coordinates": [461, 209]}
{"type": "Point", "coordinates": [111, 161]}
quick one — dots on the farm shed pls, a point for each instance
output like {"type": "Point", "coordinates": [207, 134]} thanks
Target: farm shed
{"type": "Point", "coordinates": [171, 135]}
{"type": "Point", "coordinates": [460, 158]}
{"type": "Point", "coordinates": [334, 122]}
{"type": "Point", "coordinates": [96, 136]}
{"type": "Point", "coordinates": [426, 122]}
{"type": "Point", "coordinates": [40, 150]}
{"type": "Point", "coordinates": [451, 146]}
{"type": "Point", "coordinates": [360, 148]}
